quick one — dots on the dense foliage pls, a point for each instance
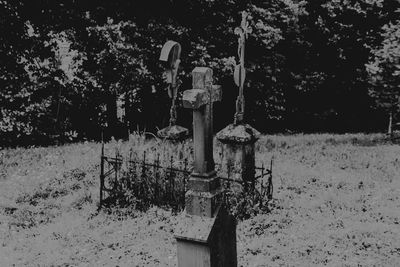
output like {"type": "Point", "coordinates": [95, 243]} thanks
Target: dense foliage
{"type": "Point", "coordinates": [64, 64]}
{"type": "Point", "coordinates": [384, 70]}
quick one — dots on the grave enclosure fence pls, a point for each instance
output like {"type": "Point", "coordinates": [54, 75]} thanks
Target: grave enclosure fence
{"type": "Point", "coordinates": [145, 180]}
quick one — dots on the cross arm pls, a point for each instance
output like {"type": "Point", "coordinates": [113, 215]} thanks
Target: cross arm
{"type": "Point", "coordinates": [196, 98]}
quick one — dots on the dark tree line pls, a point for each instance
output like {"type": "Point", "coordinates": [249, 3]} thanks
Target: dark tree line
{"type": "Point", "coordinates": [320, 65]}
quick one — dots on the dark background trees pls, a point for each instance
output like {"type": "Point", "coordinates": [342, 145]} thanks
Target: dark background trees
{"type": "Point", "coordinates": [65, 63]}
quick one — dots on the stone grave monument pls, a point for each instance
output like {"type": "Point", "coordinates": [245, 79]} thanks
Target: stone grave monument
{"type": "Point", "coordinates": [238, 139]}
{"type": "Point", "coordinates": [206, 234]}
{"type": "Point", "coordinates": [170, 53]}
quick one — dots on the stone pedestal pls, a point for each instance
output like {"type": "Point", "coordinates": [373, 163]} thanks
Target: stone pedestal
{"type": "Point", "coordinates": [174, 132]}
{"type": "Point", "coordinates": [207, 241]}
{"type": "Point", "coordinates": [238, 151]}
{"type": "Point", "coordinates": [203, 196]}
{"type": "Point", "coordinates": [206, 234]}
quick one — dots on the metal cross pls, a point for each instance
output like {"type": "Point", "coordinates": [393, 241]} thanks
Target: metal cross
{"type": "Point", "coordinates": [240, 71]}
{"type": "Point", "coordinates": [171, 53]}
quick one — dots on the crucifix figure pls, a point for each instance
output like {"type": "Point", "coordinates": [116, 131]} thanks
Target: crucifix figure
{"type": "Point", "coordinates": [170, 53]}
{"type": "Point", "coordinates": [239, 138]}
{"type": "Point", "coordinates": [240, 71]}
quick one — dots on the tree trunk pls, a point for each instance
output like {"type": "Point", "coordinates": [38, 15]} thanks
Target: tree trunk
{"type": "Point", "coordinates": [112, 119]}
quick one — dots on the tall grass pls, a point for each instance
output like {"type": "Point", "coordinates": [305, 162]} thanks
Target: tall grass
{"type": "Point", "coordinates": [336, 202]}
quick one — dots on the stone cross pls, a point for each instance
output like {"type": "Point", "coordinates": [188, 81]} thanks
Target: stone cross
{"type": "Point", "coordinates": [240, 71]}
{"type": "Point", "coordinates": [206, 234]}
{"type": "Point", "coordinates": [201, 99]}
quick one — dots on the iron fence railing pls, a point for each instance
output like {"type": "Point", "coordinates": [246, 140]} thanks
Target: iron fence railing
{"type": "Point", "coordinates": [146, 181]}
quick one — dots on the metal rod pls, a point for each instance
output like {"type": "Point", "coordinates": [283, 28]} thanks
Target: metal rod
{"type": "Point", "coordinates": [156, 173]}
{"type": "Point", "coordinates": [101, 176]}
{"type": "Point", "coordinates": [171, 178]}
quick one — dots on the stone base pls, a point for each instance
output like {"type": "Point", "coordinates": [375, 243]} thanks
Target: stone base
{"type": "Point", "coordinates": [173, 132]}
{"type": "Point", "coordinates": [202, 203]}
{"type": "Point", "coordinates": [204, 183]}
{"type": "Point", "coordinates": [238, 151]}
{"type": "Point", "coordinates": [204, 195]}
{"type": "Point", "coordinates": [207, 241]}
{"type": "Point", "coordinates": [238, 134]}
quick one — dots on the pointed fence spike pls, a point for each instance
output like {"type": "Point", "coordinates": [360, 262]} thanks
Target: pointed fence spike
{"type": "Point", "coordinates": [102, 148]}
{"type": "Point", "coordinates": [101, 175]}
{"type": "Point", "coordinates": [155, 174]}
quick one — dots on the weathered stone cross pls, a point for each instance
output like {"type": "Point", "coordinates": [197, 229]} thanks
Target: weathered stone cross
{"type": "Point", "coordinates": [201, 99]}
{"type": "Point", "coordinates": [206, 235]}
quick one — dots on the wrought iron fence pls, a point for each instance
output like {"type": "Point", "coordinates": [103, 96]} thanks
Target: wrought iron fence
{"type": "Point", "coordinates": [146, 181]}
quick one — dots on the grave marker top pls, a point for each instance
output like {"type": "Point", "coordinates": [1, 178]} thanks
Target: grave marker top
{"type": "Point", "coordinates": [171, 52]}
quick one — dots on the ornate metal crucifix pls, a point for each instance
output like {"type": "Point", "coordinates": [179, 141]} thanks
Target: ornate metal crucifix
{"type": "Point", "coordinates": [240, 72]}
{"type": "Point", "coordinates": [238, 139]}
{"type": "Point", "coordinates": [171, 53]}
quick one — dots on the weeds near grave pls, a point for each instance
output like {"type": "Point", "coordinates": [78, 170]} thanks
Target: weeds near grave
{"type": "Point", "coordinates": [142, 183]}
{"type": "Point", "coordinates": [155, 172]}
{"type": "Point", "coordinates": [247, 201]}
{"type": "Point", "coordinates": [244, 204]}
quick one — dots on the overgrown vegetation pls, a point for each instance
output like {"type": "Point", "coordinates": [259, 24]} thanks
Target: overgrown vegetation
{"type": "Point", "coordinates": [142, 173]}
{"type": "Point", "coordinates": [336, 202]}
